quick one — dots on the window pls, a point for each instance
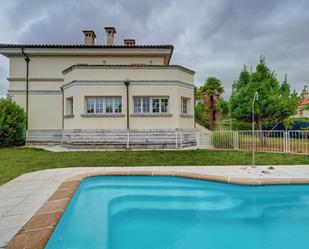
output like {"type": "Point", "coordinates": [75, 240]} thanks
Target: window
{"type": "Point", "coordinates": [301, 113]}
{"type": "Point", "coordinates": [184, 105]}
{"type": "Point", "coordinates": [103, 105]}
{"type": "Point", "coordinates": [109, 107]}
{"type": "Point", "coordinates": [99, 105]}
{"type": "Point", "coordinates": [69, 106]}
{"type": "Point", "coordinates": [164, 105]}
{"type": "Point", "coordinates": [138, 105]}
{"type": "Point", "coordinates": [155, 105]}
{"type": "Point", "coordinates": [150, 105]}
{"type": "Point", "coordinates": [117, 105]}
{"type": "Point", "coordinates": [146, 105]}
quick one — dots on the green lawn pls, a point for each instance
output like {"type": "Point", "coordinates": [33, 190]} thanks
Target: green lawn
{"type": "Point", "coordinates": [16, 161]}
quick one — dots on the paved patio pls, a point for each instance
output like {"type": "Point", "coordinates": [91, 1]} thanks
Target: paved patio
{"type": "Point", "coordinates": [23, 196]}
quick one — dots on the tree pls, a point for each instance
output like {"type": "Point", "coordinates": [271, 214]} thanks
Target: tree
{"type": "Point", "coordinates": [212, 91]}
{"type": "Point", "coordinates": [224, 108]}
{"type": "Point", "coordinates": [276, 102]}
{"type": "Point", "coordinates": [200, 109]}
{"type": "Point", "coordinates": [12, 123]}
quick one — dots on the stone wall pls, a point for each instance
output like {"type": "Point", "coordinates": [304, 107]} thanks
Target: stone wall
{"type": "Point", "coordinates": [44, 136]}
{"type": "Point", "coordinates": [116, 138]}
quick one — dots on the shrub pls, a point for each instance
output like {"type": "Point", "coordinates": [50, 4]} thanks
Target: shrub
{"type": "Point", "coordinates": [239, 125]}
{"type": "Point", "coordinates": [12, 123]}
{"type": "Point", "coordinates": [200, 115]}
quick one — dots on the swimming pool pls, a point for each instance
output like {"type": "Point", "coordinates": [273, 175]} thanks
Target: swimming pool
{"type": "Point", "coordinates": [145, 212]}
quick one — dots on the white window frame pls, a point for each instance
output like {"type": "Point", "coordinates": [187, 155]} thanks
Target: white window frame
{"type": "Point", "coordinates": [97, 106]}
{"type": "Point", "coordinates": [144, 109]}
{"type": "Point", "coordinates": [184, 105]}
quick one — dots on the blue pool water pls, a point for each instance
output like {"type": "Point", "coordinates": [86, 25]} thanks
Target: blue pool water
{"type": "Point", "coordinates": [167, 213]}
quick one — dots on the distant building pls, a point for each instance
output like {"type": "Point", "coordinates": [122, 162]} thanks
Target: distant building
{"type": "Point", "coordinates": [301, 110]}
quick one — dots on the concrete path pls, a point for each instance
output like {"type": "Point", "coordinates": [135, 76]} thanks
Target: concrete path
{"type": "Point", "coordinates": [24, 195]}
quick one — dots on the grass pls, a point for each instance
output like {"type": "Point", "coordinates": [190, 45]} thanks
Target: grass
{"type": "Point", "coordinates": [17, 161]}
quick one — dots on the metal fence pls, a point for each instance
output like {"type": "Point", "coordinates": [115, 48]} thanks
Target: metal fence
{"type": "Point", "coordinates": [294, 141]}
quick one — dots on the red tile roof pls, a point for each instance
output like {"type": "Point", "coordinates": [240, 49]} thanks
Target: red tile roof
{"type": "Point", "coordinates": [304, 102]}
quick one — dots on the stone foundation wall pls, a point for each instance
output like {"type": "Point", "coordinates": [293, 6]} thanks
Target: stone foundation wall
{"type": "Point", "coordinates": [116, 138]}
{"type": "Point", "coordinates": [44, 136]}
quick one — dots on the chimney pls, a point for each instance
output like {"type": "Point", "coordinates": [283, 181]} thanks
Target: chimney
{"type": "Point", "coordinates": [129, 42]}
{"type": "Point", "coordinates": [89, 37]}
{"type": "Point", "coordinates": [110, 31]}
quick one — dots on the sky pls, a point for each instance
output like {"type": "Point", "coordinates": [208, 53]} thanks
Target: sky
{"type": "Point", "coordinates": [212, 37]}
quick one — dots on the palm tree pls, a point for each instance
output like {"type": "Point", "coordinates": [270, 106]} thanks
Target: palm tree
{"type": "Point", "coordinates": [212, 91]}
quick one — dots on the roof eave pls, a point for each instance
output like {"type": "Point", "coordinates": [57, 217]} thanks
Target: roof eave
{"type": "Point", "coordinates": [120, 66]}
{"type": "Point", "coordinates": [14, 49]}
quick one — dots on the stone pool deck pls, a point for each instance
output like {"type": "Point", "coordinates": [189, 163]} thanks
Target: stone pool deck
{"type": "Point", "coordinates": [22, 197]}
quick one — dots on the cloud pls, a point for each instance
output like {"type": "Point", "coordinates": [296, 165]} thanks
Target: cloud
{"type": "Point", "coordinates": [214, 38]}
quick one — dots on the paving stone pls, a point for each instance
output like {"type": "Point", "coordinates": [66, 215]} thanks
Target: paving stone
{"type": "Point", "coordinates": [32, 239]}
{"type": "Point", "coordinates": [14, 221]}
{"type": "Point", "coordinates": [42, 221]}
{"type": "Point", "coordinates": [10, 201]}
{"type": "Point", "coordinates": [7, 234]}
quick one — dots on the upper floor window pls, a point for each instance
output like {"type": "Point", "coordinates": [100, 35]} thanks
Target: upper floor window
{"type": "Point", "coordinates": [103, 105]}
{"type": "Point", "coordinates": [151, 105]}
{"type": "Point", "coordinates": [184, 105]}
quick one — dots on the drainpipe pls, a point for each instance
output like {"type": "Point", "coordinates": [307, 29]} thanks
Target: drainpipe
{"type": "Point", "coordinates": [127, 83]}
{"type": "Point", "coordinates": [194, 100]}
{"type": "Point", "coordinates": [62, 107]}
{"type": "Point", "coordinates": [27, 59]}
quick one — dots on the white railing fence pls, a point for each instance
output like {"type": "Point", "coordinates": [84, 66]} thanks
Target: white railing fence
{"type": "Point", "coordinates": [294, 141]}
{"type": "Point", "coordinates": [116, 138]}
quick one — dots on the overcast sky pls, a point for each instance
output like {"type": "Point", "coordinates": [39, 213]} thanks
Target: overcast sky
{"type": "Point", "coordinates": [211, 37]}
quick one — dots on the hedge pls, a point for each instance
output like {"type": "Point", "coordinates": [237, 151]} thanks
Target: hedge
{"type": "Point", "coordinates": [12, 123]}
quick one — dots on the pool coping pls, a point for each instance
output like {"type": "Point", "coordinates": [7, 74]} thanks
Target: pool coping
{"type": "Point", "coordinates": [39, 228]}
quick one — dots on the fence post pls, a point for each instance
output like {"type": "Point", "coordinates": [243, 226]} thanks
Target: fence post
{"type": "Point", "coordinates": [198, 138]}
{"type": "Point", "coordinates": [235, 140]}
{"type": "Point", "coordinates": [128, 138]}
{"type": "Point", "coordinates": [181, 137]}
{"type": "Point", "coordinates": [176, 138]}
{"type": "Point", "coordinates": [287, 140]}
{"type": "Point", "coordinates": [285, 148]}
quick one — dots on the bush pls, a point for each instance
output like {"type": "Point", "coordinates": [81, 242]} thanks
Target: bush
{"type": "Point", "coordinates": [12, 123]}
{"type": "Point", "coordinates": [200, 115]}
{"type": "Point", "coordinates": [239, 125]}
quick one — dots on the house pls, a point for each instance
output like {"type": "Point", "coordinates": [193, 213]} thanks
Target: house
{"type": "Point", "coordinates": [102, 95]}
{"type": "Point", "coordinates": [302, 110]}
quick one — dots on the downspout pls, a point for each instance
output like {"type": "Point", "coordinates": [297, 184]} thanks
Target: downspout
{"type": "Point", "coordinates": [194, 103]}
{"type": "Point", "coordinates": [127, 83]}
{"type": "Point", "coordinates": [62, 107]}
{"type": "Point", "coordinates": [27, 59]}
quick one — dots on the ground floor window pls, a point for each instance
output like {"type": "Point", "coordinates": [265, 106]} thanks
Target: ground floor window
{"type": "Point", "coordinates": [69, 106]}
{"type": "Point", "coordinates": [103, 105]}
{"type": "Point", "coordinates": [301, 113]}
{"type": "Point", "coordinates": [151, 104]}
{"type": "Point", "coordinates": [184, 105]}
